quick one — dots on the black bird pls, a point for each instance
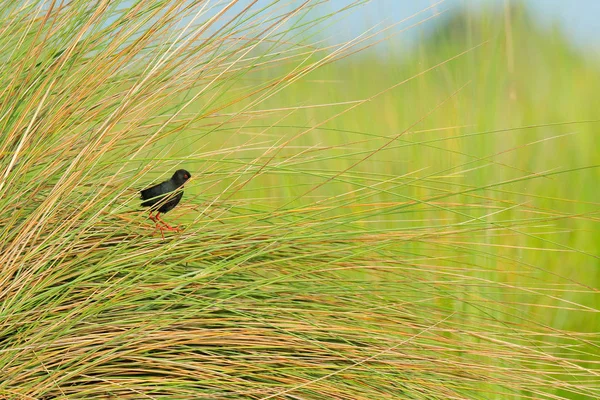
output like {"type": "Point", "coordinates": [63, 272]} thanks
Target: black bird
{"type": "Point", "coordinates": [163, 197]}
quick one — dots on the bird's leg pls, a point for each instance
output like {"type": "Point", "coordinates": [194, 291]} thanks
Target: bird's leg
{"type": "Point", "coordinates": [156, 220]}
{"type": "Point", "coordinates": [167, 226]}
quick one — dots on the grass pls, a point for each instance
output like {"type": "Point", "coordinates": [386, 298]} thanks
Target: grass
{"type": "Point", "coordinates": [378, 225]}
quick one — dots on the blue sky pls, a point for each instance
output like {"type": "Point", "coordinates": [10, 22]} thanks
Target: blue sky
{"type": "Point", "coordinates": [579, 19]}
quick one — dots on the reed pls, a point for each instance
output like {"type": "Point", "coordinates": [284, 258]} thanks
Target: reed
{"type": "Point", "coordinates": [354, 229]}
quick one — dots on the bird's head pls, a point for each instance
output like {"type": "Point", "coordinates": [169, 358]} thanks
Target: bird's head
{"type": "Point", "coordinates": [181, 176]}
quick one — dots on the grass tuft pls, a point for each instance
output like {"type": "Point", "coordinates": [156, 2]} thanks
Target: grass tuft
{"type": "Point", "coordinates": [358, 226]}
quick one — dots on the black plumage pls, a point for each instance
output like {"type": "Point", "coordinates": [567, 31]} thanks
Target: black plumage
{"type": "Point", "coordinates": [163, 197]}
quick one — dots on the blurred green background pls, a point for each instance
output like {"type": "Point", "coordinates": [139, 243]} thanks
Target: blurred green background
{"type": "Point", "coordinates": [481, 137]}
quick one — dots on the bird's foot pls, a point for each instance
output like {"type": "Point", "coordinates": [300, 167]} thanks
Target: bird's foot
{"type": "Point", "coordinates": [162, 227]}
{"type": "Point", "coordinates": [171, 228]}
{"type": "Point", "coordinates": [167, 226]}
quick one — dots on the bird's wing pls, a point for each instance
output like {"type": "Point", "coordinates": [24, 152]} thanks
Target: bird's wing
{"type": "Point", "coordinates": [154, 191]}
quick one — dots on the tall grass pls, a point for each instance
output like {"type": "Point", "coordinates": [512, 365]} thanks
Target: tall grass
{"type": "Point", "coordinates": [357, 226]}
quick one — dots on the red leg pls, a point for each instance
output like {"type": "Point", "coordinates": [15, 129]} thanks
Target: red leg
{"type": "Point", "coordinates": [167, 226]}
{"type": "Point", "coordinates": [155, 219]}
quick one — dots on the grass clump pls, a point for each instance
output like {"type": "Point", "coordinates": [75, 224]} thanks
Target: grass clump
{"type": "Point", "coordinates": [314, 264]}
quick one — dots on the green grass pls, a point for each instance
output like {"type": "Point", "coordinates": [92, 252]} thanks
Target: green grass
{"type": "Point", "coordinates": [392, 225]}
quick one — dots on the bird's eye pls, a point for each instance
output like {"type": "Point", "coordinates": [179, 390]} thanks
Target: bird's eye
{"type": "Point", "coordinates": [186, 176]}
